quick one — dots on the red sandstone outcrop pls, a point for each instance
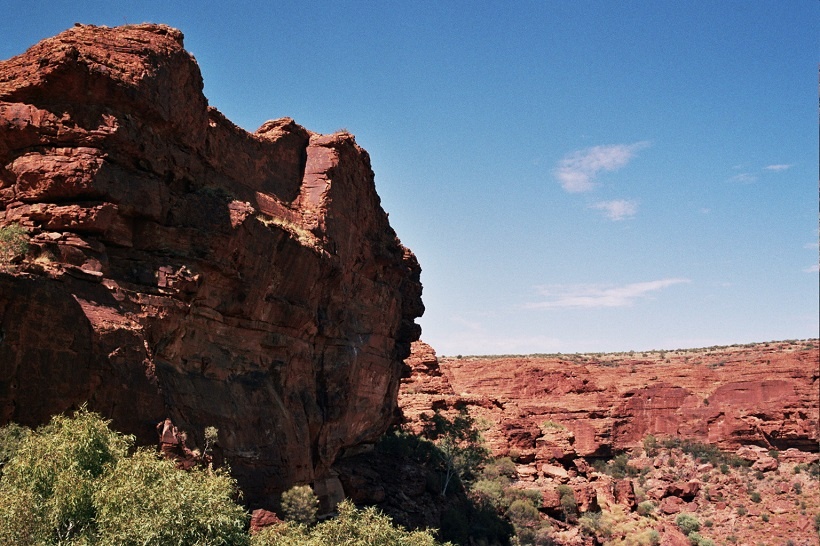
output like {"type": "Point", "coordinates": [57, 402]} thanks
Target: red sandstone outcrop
{"type": "Point", "coordinates": [556, 415]}
{"type": "Point", "coordinates": [593, 405]}
{"type": "Point", "coordinates": [181, 267]}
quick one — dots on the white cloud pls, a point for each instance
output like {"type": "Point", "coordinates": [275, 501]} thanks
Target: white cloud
{"type": "Point", "coordinates": [813, 268]}
{"type": "Point", "coordinates": [576, 172]}
{"type": "Point", "coordinates": [779, 167]}
{"type": "Point", "coordinates": [588, 296]}
{"type": "Point", "coordinates": [744, 178]}
{"type": "Point", "coordinates": [620, 209]}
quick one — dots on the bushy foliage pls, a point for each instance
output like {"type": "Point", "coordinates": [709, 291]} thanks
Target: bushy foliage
{"type": "Point", "coordinates": [52, 477]}
{"type": "Point", "coordinates": [502, 468]}
{"type": "Point", "coordinates": [705, 453]}
{"type": "Point", "coordinates": [650, 445]}
{"type": "Point", "coordinates": [688, 523]}
{"type": "Point", "coordinates": [481, 519]}
{"type": "Point", "coordinates": [698, 540]}
{"type": "Point", "coordinates": [618, 467]}
{"type": "Point", "coordinates": [352, 527]}
{"type": "Point", "coordinates": [13, 243]}
{"type": "Point", "coordinates": [568, 503]}
{"type": "Point", "coordinates": [146, 500]}
{"type": "Point", "coordinates": [461, 449]}
{"type": "Point", "coordinates": [72, 483]}
{"type": "Point", "coordinates": [11, 436]}
{"type": "Point", "coordinates": [299, 504]}
{"type": "Point", "coordinates": [646, 508]}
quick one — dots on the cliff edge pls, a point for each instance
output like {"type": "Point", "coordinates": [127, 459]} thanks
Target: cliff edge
{"type": "Point", "coordinates": [179, 266]}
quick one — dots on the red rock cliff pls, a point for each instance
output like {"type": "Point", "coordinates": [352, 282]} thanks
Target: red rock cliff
{"type": "Point", "coordinates": [179, 266]}
{"type": "Point", "coordinates": [563, 407]}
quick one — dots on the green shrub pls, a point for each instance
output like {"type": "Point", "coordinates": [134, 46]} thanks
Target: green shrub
{"type": "Point", "coordinates": [352, 527]}
{"type": "Point", "coordinates": [646, 508]}
{"type": "Point", "coordinates": [590, 523]}
{"type": "Point", "coordinates": [147, 500]}
{"type": "Point", "coordinates": [72, 483]}
{"type": "Point", "coordinates": [300, 504]}
{"type": "Point", "coordinates": [522, 512]}
{"type": "Point", "coordinates": [688, 523]}
{"type": "Point", "coordinates": [568, 503]}
{"type": "Point", "coordinates": [650, 445]}
{"type": "Point", "coordinates": [11, 436]}
{"type": "Point", "coordinates": [741, 510]}
{"type": "Point", "coordinates": [13, 243]}
{"type": "Point", "coordinates": [53, 475]}
{"type": "Point", "coordinates": [617, 467]}
{"type": "Point", "coordinates": [488, 492]}
{"type": "Point", "coordinates": [502, 467]}
{"type": "Point", "coordinates": [532, 496]}
{"type": "Point", "coordinates": [755, 496]}
{"type": "Point", "coordinates": [698, 540]}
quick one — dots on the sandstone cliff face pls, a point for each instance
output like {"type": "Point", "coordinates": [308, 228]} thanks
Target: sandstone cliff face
{"type": "Point", "coordinates": [594, 405]}
{"type": "Point", "coordinates": [181, 267]}
{"type": "Point", "coordinates": [561, 417]}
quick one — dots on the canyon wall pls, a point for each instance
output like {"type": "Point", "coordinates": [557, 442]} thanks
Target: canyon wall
{"type": "Point", "coordinates": [179, 266]}
{"type": "Point", "coordinates": [561, 407]}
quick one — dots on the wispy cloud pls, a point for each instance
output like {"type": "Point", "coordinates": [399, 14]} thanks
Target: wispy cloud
{"type": "Point", "coordinates": [812, 268]}
{"type": "Point", "coordinates": [576, 172]}
{"type": "Point", "coordinates": [744, 178]}
{"type": "Point", "coordinates": [747, 177]}
{"type": "Point", "coordinates": [590, 296]}
{"type": "Point", "coordinates": [619, 209]}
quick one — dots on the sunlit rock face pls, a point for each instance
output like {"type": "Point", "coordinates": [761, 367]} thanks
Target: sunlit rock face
{"type": "Point", "coordinates": [181, 267]}
{"type": "Point", "coordinates": [558, 407]}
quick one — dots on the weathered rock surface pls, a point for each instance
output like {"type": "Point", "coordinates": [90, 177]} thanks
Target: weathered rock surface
{"type": "Point", "coordinates": [594, 405]}
{"type": "Point", "coordinates": [181, 267]}
{"type": "Point", "coordinates": [554, 416]}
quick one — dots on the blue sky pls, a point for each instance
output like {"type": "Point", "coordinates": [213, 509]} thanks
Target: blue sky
{"type": "Point", "coordinates": [572, 175]}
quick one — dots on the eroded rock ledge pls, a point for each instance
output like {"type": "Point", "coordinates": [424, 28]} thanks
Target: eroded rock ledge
{"type": "Point", "coordinates": [181, 267]}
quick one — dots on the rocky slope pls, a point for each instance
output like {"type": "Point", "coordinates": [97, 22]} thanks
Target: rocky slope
{"type": "Point", "coordinates": [559, 417]}
{"type": "Point", "coordinates": [178, 266]}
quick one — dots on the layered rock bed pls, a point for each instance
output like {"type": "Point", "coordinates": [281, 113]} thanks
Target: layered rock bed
{"type": "Point", "coordinates": [726, 434]}
{"type": "Point", "coordinates": [176, 266]}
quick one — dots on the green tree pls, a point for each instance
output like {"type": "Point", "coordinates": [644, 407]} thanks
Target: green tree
{"type": "Point", "coordinates": [146, 500]}
{"type": "Point", "coordinates": [299, 504]}
{"type": "Point", "coordinates": [352, 527]}
{"type": "Point", "coordinates": [71, 482]}
{"type": "Point", "coordinates": [460, 446]}
{"type": "Point", "coordinates": [52, 477]}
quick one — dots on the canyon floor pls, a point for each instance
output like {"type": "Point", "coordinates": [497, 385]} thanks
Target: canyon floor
{"type": "Point", "coordinates": [726, 434]}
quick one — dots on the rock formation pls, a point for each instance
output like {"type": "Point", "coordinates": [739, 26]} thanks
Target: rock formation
{"type": "Point", "coordinates": [594, 405]}
{"type": "Point", "coordinates": [181, 267]}
{"type": "Point", "coordinates": [562, 418]}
